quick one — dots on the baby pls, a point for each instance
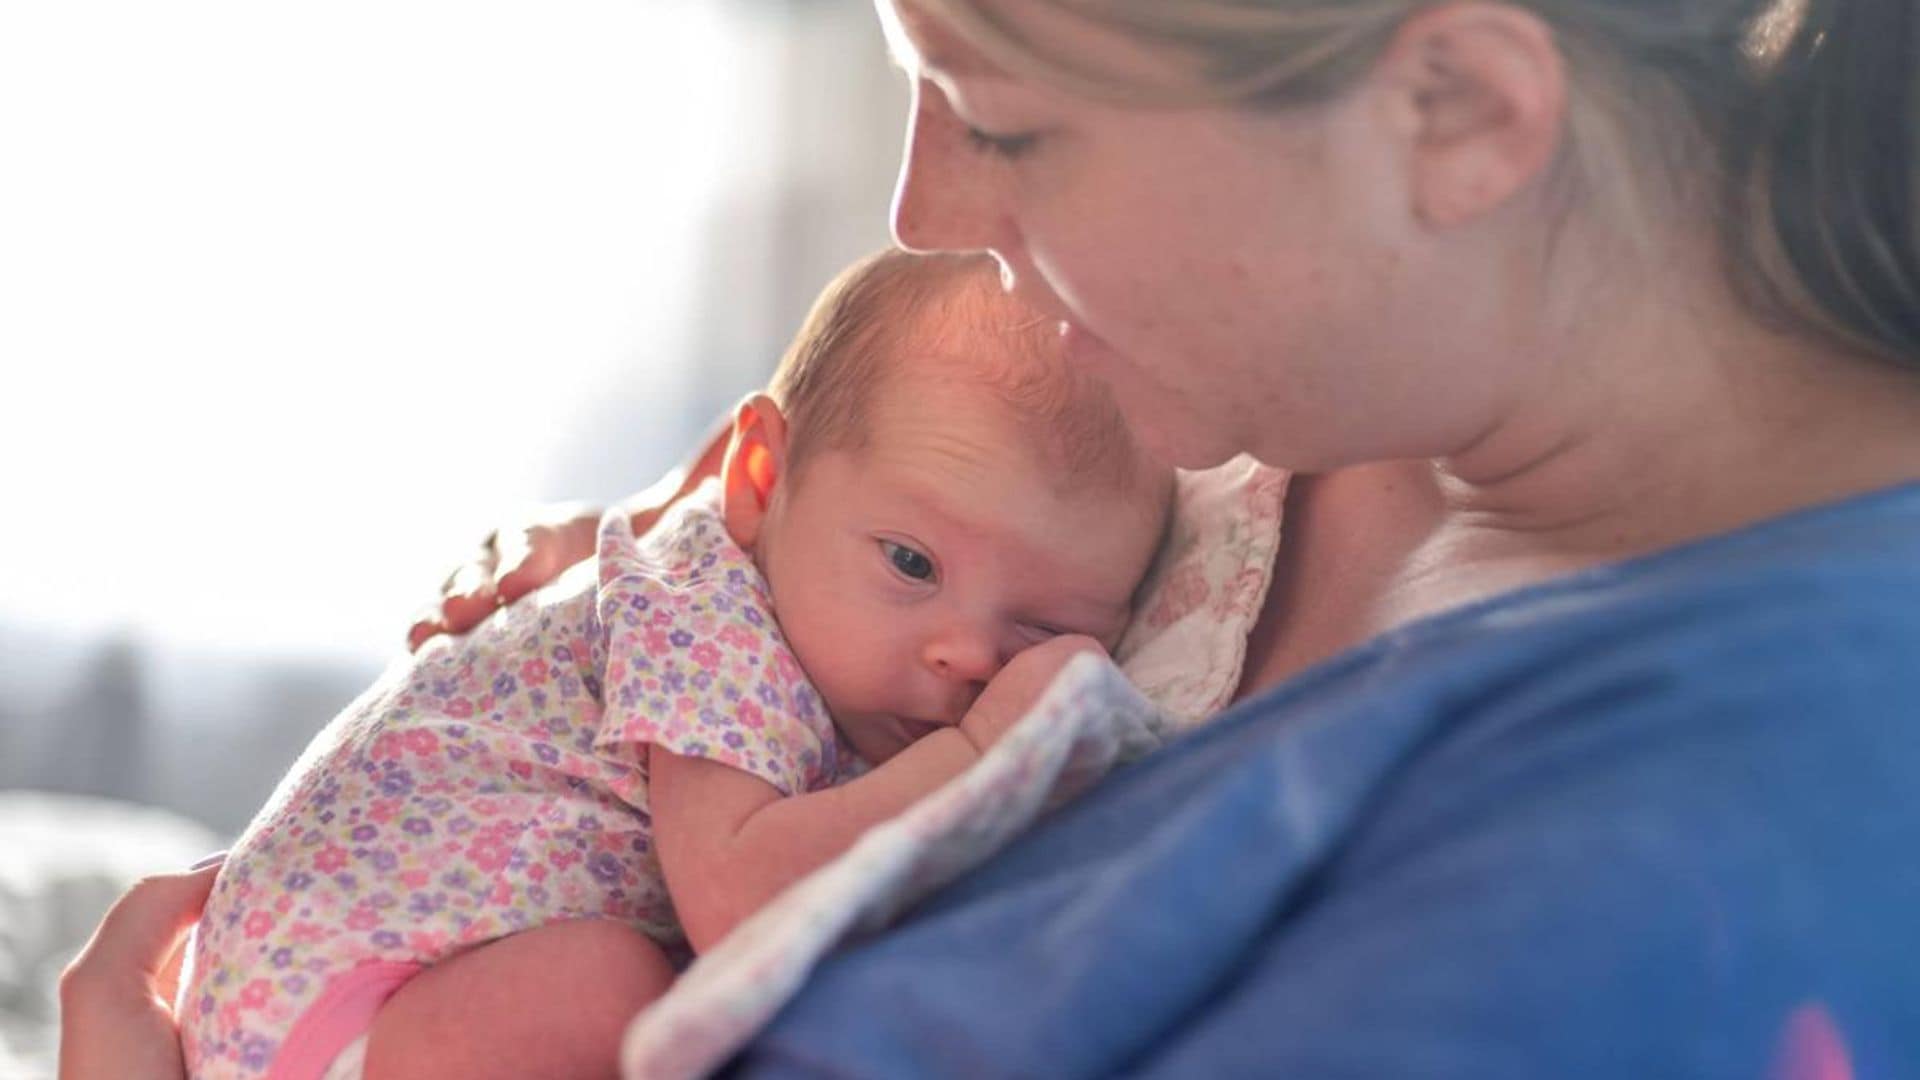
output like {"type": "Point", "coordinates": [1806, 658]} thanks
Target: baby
{"type": "Point", "coordinates": [503, 850]}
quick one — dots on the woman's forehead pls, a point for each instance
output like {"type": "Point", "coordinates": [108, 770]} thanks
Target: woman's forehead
{"type": "Point", "coordinates": [1046, 43]}
{"type": "Point", "coordinates": [923, 45]}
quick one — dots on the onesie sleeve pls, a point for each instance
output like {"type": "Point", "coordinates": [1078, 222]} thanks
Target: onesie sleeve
{"type": "Point", "coordinates": [696, 664]}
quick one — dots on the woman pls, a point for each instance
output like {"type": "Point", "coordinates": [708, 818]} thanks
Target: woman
{"type": "Point", "coordinates": [1595, 326]}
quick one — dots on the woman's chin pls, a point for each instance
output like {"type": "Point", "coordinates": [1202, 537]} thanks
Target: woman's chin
{"type": "Point", "coordinates": [1160, 423]}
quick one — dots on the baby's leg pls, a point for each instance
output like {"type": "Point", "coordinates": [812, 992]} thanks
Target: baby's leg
{"type": "Point", "coordinates": [548, 1002]}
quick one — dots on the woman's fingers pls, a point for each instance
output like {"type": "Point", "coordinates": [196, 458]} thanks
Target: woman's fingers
{"type": "Point", "coordinates": [143, 930]}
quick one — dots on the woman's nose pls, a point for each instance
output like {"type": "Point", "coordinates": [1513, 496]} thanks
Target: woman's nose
{"type": "Point", "coordinates": [947, 195]}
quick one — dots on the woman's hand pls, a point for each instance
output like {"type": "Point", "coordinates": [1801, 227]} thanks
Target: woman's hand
{"type": "Point", "coordinates": [1019, 685]}
{"type": "Point", "coordinates": [520, 558]}
{"type": "Point", "coordinates": [116, 998]}
{"type": "Point", "coordinates": [511, 563]}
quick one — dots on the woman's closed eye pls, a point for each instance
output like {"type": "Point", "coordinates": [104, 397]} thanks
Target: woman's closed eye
{"type": "Point", "coordinates": [910, 564]}
{"type": "Point", "coordinates": [1010, 147]}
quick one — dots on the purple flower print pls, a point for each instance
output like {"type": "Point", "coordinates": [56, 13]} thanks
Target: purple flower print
{"type": "Point", "coordinates": [385, 861]}
{"type": "Point", "coordinates": [587, 823]}
{"type": "Point", "coordinates": [767, 694]}
{"type": "Point", "coordinates": [281, 957]}
{"type": "Point", "coordinates": [752, 615]}
{"type": "Point", "coordinates": [504, 685]}
{"type": "Point", "coordinates": [537, 894]}
{"type": "Point", "coordinates": [569, 687]}
{"type": "Point", "coordinates": [416, 826]}
{"type": "Point", "coordinates": [256, 1051]}
{"type": "Point", "coordinates": [546, 753]}
{"type": "Point", "coordinates": [396, 781]}
{"type": "Point", "coordinates": [681, 638]}
{"type": "Point", "coordinates": [562, 655]}
{"type": "Point", "coordinates": [296, 881]}
{"type": "Point", "coordinates": [605, 868]}
{"type": "Point", "coordinates": [460, 826]}
{"type": "Point", "coordinates": [734, 739]}
{"type": "Point", "coordinates": [364, 833]}
{"type": "Point", "coordinates": [425, 904]}
{"type": "Point", "coordinates": [294, 984]}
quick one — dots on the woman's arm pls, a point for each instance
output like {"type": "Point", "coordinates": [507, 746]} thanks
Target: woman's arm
{"type": "Point", "coordinates": [729, 842]}
{"type": "Point", "coordinates": [520, 558]}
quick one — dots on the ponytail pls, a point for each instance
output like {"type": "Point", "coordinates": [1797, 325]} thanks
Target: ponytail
{"type": "Point", "coordinates": [1833, 156]}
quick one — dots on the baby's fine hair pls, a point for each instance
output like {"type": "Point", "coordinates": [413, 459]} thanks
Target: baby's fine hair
{"type": "Point", "coordinates": [901, 322]}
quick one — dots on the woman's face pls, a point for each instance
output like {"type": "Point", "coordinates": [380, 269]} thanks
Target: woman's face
{"type": "Point", "coordinates": [1240, 277]}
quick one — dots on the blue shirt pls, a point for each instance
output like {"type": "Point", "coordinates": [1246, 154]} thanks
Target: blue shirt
{"type": "Point", "coordinates": [1630, 823]}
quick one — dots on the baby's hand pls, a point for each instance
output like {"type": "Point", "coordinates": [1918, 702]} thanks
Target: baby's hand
{"type": "Point", "coordinates": [1018, 685]}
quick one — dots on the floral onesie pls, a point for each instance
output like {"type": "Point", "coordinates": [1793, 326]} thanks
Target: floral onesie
{"type": "Point", "coordinates": [497, 782]}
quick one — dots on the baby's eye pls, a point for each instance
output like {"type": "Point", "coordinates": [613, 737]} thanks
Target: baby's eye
{"type": "Point", "coordinates": [907, 561]}
{"type": "Point", "coordinates": [1035, 633]}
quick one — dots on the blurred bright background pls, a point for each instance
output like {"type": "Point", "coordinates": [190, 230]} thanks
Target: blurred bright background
{"type": "Point", "coordinates": [297, 300]}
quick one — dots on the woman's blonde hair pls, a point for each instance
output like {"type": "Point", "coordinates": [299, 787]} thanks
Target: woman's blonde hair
{"type": "Point", "coordinates": [1795, 123]}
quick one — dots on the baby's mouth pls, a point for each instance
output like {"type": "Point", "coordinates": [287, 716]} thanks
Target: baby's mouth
{"type": "Point", "coordinates": [915, 730]}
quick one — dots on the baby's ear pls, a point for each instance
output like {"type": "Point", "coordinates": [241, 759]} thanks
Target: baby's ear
{"type": "Point", "coordinates": [756, 457]}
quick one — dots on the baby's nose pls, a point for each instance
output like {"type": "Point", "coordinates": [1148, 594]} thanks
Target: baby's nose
{"type": "Point", "coordinates": [963, 656]}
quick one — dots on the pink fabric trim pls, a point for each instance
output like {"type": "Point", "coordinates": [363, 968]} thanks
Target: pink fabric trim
{"type": "Point", "coordinates": [342, 1013]}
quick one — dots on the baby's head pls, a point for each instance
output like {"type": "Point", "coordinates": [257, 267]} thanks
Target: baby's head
{"type": "Point", "coordinates": [928, 489]}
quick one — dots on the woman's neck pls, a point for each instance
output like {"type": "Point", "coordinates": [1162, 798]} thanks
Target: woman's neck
{"type": "Point", "coordinates": [1728, 431]}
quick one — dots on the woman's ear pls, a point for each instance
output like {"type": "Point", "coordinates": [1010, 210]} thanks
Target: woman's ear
{"type": "Point", "coordinates": [756, 459]}
{"type": "Point", "coordinates": [1485, 87]}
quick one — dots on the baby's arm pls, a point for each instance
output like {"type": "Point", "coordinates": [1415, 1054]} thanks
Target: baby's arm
{"type": "Point", "coordinates": [729, 842]}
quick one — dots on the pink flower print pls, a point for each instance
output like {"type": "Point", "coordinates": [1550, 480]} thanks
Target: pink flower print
{"type": "Point", "coordinates": [420, 741]}
{"type": "Point", "coordinates": [521, 769]}
{"type": "Point", "coordinates": [784, 669]}
{"type": "Point", "coordinates": [654, 641]}
{"type": "Point", "coordinates": [382, 810]}
{"type": "Point", "coordinates": [489, 851]}
{"type": "Point", "coordinates": [306, 933]}
{"type": "Point", "coordinates": [459, 707]}
{"type": "Point", "coordinates": [414, 879]}
{"type": "Point", "coordinates": [502, 893]}
{"type": "Point", "coordinates": [537, 872]}
{"type": "Point", "coordinates": [284, 904]}
{"type": "Point", "coordinates": [385, 747]}
{"type": "Point", "coordinates": [751, 715]}
{"type": "Point", "coordinates": [254, 994]}
{"type": "Point", "coordinates": [362, 917]}
{"type": "Point", "coordinates": [534, 672]}
{"type": "Point", "coordinates": [426, 943]}
{"type": "Point", "coordinates": [706, 654]}
{"type": "Point", "coordinates": [330, 859]}
{"type": "Point", "coordinates": [563, 859]}
{"type": "Point", "coordinates": [1182, 594]}
{"type": "Point", "coordinates": [735, 636]}
{"type": "Point", "coordinates": [258, 924]}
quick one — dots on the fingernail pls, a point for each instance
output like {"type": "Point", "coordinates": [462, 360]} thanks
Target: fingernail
{"type": "Point", "coordinates": [208, 860]}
